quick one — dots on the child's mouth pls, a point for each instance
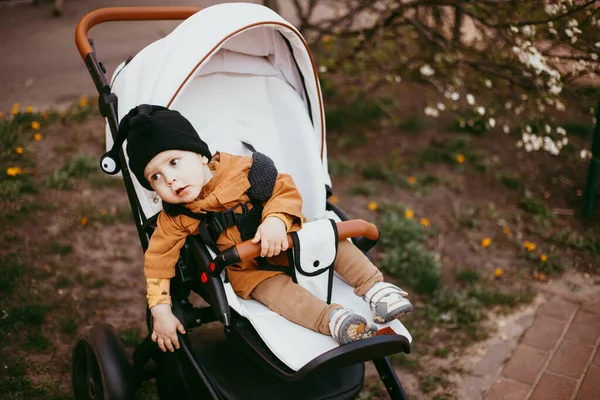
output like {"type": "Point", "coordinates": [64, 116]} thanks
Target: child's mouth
{"type": "Point", "coordinates": [180, 190]}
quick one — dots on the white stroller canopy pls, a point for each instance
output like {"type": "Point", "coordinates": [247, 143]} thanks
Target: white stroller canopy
{"type": "Point", "coordinates": [162, 70]}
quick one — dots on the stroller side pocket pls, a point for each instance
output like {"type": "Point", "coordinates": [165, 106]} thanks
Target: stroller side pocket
{"type": "Point", "coordinates": [314, 251]}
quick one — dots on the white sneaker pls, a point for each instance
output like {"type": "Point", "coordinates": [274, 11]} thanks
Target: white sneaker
{"type": "Point", "coordinates": [346, 326]}
{"type": "Point", "coordinates": [387, 302]}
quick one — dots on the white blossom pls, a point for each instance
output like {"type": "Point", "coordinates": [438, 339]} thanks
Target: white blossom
{"type": "Point", "coordinates": [488, 83]}
{"type": "Point", "coordinates": [441, 106]}
{"type": "Point", "coordinates": [470, 99]}
{"type": "Point", "coordinates": [322, 69]}
{"type": "Point", "coordinates": [585, 154]}
{"type": "Point", "coordinates": [492, 122]}
{"type": "Point", "coordinates": [481, 110]}
{"type": "Point", "coordinates": [398, 78]}
{"type": "Point", "coordinates": [551, 9]}
{"type": "Point", "coordinates": [506, 128]}
{"type": "Point", "coordinates": [455, 96]}
{"type": "Point", "coordinates": [426, 70]}
{"type": "Point", "coordinates": [431, 112]}
{"type": "Point", "coordinates": [560, 130]}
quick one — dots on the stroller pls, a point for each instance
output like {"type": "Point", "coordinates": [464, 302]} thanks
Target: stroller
{"type": "Point", "coordinates": [240, 69]}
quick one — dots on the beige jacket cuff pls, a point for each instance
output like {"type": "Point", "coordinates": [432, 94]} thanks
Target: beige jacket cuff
{"type": "Point", "coordinates": [157, 291]}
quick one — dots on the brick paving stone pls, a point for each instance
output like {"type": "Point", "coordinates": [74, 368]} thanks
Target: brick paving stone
{"type": "Point", "coordinates": [554, 387]}
{"type": "Point", "coordinates": [507, 390]}
{"type": "Point", "coordinates": [570, 359]}
{"type": "Point", "coordinates": [590, 388]}
{"type": "Point", "coordinates": [558, 309]}
{"type": "Point", "coordinates": [544, 333]}
{"type": "Point", "coordinates": [592, 307]}
{"type": "Point", "coordinates": [596, 360]}
{"type": "Point", "coordinates": [525, 364]}
{"type": "Point", "coordinates": [584, 329]}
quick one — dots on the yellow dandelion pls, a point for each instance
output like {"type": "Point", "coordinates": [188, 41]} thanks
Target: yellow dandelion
{"type": "Point", "coordinates": [506, 230]}
{"type": "Point", "coordinates": [44, 115]}
{"type": "Point", "coordinates": [29, 110]}
{"type": "Point", "coordinates": [372, 206]}
{"type": "Point", "coordinates": [543, 258]}
{"type": "Point", "coordinates": [83, 101]}
{"type": "Point", "coordinates": [425, 222]}
{"type": "Point", "coordinates": [15, 109]}
{"type": "Point", "coordinates": [460, 158]}
{"type": "Point", "coordinates": [334, 199]}
{"type": "Point", "coordinates": [498, 272]}
{"type": "Point", "coordinates": [35, 125]}
{"type": "Point", "coordinates": [13, 171]}
{"type": "Point", "coordinates": [19, 150]}
{"type": "Point", "coordinates": [1, 115]}
{"type": "Point", "coordinates": [37, 137]}
{"type": "Point", "coordinates": [530, 246]}
{"type": "Point", "coordinates": [486, 242]}
{"type": "Point", "coordinates": [326, 38]}
{"type": "Point", "coordinates": [84, 221]}
{"type": "Point", "coordinates": [103, 211]}
{"type": "Point", "coordinates": [409, 214]}
{"type": "Point", "coordinates": [63, 114]}
{"type": "Point", "coordinates": [412, 179]}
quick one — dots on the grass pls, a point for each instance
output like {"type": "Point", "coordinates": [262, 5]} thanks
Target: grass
{"type": "Point", "coordinates": [80, 167]}
{"type": "Point", "coordinates": [340, 167]}
{"type": "Point", "coordinates": [362, 189]}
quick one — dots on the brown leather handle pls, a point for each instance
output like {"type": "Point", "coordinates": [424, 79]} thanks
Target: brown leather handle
{"type": "Point", "coordinates": [125, 14]}
{"type": "Point", "coordinates": [346, 229]}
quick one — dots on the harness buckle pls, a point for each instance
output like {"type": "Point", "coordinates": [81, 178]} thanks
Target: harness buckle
{"type": "Point", "coordinates": [228, 218]}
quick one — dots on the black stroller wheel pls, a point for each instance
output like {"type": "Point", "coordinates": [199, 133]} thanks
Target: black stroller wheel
{"type": "Point", "coordinates": [101, 370]}
{"type": "Point", "coordinates": [87, 378]}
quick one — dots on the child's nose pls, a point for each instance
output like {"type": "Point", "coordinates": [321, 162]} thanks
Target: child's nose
{"type": "Point", "coordinates": [171, 178]}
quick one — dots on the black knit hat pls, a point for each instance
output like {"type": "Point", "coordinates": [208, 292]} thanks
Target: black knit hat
{"type": "Point", "coordinates": [150, 130]}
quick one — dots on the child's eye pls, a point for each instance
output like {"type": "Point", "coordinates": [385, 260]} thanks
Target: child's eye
{"type": "Point", "coordinates": [174, 162]}
{"type": "Point", "coordinates": [155, 177]}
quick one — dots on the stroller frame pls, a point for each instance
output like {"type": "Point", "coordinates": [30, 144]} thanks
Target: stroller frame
{"type": "Point", "coordinates": [101, 368]}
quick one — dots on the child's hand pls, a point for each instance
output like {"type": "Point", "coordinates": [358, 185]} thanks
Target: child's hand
{"type": "Point", "coordinates": [272, 235]}
{"type": "Point", "coordinates": [166, 326]}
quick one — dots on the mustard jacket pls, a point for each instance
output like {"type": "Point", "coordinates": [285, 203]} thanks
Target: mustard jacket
{"type": "Point", "coordinates": [225, 190]}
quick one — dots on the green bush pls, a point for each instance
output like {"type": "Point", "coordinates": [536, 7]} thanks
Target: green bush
{"type": "Point", "coordinates": [397, 231]}
{"type": "Point", "coordinates": [414, 266]}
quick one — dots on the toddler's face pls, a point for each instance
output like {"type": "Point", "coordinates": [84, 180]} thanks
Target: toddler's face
{"type": "Point", "coordinates": [177, 176]}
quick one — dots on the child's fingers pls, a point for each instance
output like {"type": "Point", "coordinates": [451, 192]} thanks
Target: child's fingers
{"type": "Point", "coordinates": [168, 344]}
{"type": "Point", "coordinates": [175, 341]}
{"type": "Point", "coordinates": [271, 249]}
{"type": "Point", "coordinates": [256, 237]}
{"type": "Point", "coordinates": [154, 337]}
{"type": "Point", "coordinates": [284, 245]}
{"type": "Point", "coordinates": [161, 343]}
{"type": "Point", "coordinates": [180, 328]}
{"type": "Point", "coordinates": [276, 249]}
{"type": "Point", "coordinates": [264, 247]}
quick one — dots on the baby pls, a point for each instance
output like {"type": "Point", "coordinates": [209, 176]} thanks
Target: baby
{"type": "Point", "coordinates": [167, 155]}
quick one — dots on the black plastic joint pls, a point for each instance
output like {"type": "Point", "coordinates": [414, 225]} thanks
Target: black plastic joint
{"type": "Point", "coordinates": [225, 258]}
{"type": "Point", "coordinates": [104, 102]}
{"type": "Point", "coordinates": [365, 244]}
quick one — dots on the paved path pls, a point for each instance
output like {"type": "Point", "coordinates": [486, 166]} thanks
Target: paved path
{"type": "Point", "coordinates": [558, 357]}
